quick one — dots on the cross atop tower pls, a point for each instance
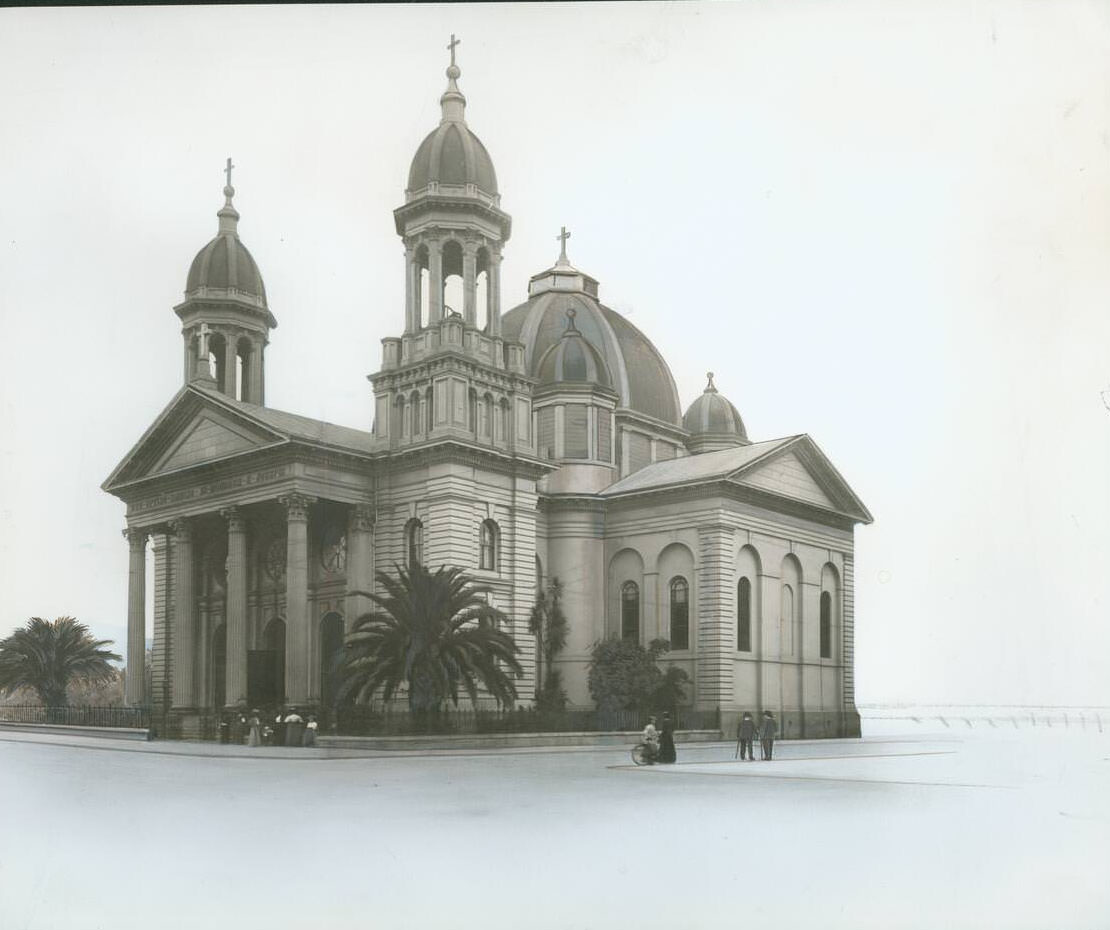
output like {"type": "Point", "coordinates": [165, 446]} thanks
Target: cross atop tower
{"type": "Point", "coordinates": [451, 47]}
{"type": "Point", "coordinates": [563, 237]}
{"type": "Point", "coordinates": [227, 171]}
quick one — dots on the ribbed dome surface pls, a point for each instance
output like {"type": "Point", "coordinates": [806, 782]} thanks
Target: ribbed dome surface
{"type": "Point", "coordinates": [224, 268]}
{"type": "Point", "coordinates": [573, 360]}
{"type": "Point", "coordinates": [713, 422]}
{"type": "Point", "coordinates": [639, 374]}
{"type": "Point", "coordinates": [452, 155]}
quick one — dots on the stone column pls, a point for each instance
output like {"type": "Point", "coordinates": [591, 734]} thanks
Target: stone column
{"type": "Point", "coordinates": [298, 631]}
{"type": "Point", "coordinates": [360, 561]}
{"type": "Point", "coordinates": [184, 617]}
{"type": "Point", "coordinates": [235, 616]}
{"type": "Point", "coordinates": [412, 319]}
{"type": "Point", "coordinates": [493, 292]}
{"type": "Point", "coordinates": [435, 282]}
{"type": "Point", "coordinates": [135, 691]}
{"type": "Point", "coordinates": [470, 262]}
{"type": "Point", "coordinates": [231, 354]}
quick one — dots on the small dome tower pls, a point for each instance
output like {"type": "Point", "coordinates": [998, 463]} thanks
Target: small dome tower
{"type": "Point", "coordinates": [713, 422]}
{"type": "Point", "coordinates": [224, 317]}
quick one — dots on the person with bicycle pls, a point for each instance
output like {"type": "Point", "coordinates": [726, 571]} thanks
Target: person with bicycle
{"type": "Point", "coordinates": [650, 739]}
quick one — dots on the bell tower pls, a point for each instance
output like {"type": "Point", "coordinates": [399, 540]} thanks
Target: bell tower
{"type": "Point", "coordinates": [225, 321]}
{"type": "Point", "coordinates": [450, 373]}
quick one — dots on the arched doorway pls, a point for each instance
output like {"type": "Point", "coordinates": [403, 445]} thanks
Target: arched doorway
{"type": "Point", "coordinates": [219, 667]}
{"type": "Point", "coordinates": [266, 667]}
{"type": "Point", "coordinates": [331, 646]}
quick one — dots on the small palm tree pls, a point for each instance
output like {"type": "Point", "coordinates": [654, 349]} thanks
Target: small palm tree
{"type": "Point", "coordinates": [435, 633]}
{"type": "Point", "coordinates": [47, 656]}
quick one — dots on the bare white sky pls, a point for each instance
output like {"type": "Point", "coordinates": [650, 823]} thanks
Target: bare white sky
{"type": "Point", "coordinates": [886, 225]}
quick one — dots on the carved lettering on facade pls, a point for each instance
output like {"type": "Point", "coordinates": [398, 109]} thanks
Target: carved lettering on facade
{"type": "Point", "coordinates": [265, 476]}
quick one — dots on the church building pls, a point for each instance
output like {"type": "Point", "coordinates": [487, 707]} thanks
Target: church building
{"type": "Point", "coordinates": [547, 441]}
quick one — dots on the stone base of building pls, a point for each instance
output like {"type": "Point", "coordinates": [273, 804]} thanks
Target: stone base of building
{"type": "Point", "coordinates": [799, 724]}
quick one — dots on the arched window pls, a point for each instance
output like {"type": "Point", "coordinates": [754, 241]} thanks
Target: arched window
{"type": "Point", "coordinates": [680, 613]}
{"type": "Point", "coordinates": [826, 625]}
{"type": "Point", "coordinates": [744, 615]}
{"type": "Point", "coordinates": [414, 543]}
{"type": "Point", "coordinates": [429, 411]}
{"type": "Point", "coordinates": [786, 622]}
{"type": "Point", "coordinates": [402, 419]}
{"type": "Point", "coordinates": [472, 410]}
{"type": "Point", "coordinates": [488, 546]}
{"type": "Point", "coordinates": [630, 611]}
{"type": "Point", "coordinates": [414, 407]}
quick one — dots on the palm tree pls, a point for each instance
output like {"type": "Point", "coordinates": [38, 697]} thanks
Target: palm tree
{"type": "Point", "coordinates": [48, 656]}
{"type": "Point", "coordinates": [434, 632]}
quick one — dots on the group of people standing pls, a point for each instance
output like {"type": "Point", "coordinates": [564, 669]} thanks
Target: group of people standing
{"type": "Point", "coordinates": [660, 741]}
{"type": "Point", "coordinates": [288, 728]}
{"type": "Point", "coordinates": [746, 732]}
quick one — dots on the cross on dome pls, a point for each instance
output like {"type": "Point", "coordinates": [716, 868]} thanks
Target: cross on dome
{"type": "Point", "coordinates": [451, 47]}
{"type": "Point", "coordinates": [227, 171]}
{"type": "Point", "coordinates": [710, 387]}
{"type": "Point", "coordinates": [563, 237]}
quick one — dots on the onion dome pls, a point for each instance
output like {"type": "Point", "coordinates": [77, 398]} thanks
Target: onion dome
{"type": "Point", "coordinates": [713, 422]}
{"type": "Point", "coordinates": [452, 156]}
{"type": "Point", "coordinates": [573, 360]}
{"type": "Point", "coordinates": [224, 270]}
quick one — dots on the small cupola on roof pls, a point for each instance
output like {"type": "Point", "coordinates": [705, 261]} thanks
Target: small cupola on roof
{"type": "Point", "coordinates": [713, 422]}
{"type": "Point", "coordinates": [225, 318]}
{"type": "Point", "coordinates": [562, 276]}
{"type": "Point", "coordinates": [573, 360]}
{"type": "Point", "coordinates": [452, 159]}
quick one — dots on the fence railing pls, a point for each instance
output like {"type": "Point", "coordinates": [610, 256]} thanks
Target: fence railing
{"type": "Point", "coordinates": [77, 715]}
{"type": "Point", "coordinates": [379, 721]}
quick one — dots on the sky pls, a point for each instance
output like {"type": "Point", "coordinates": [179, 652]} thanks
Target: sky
{"type": "Point", "coordinates": [885, 225]}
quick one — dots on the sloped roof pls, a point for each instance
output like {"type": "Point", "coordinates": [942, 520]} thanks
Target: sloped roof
{"type": "Point", "coordinates": [694, 469]}
{"type": "Point", "coordinates": [741, 461]}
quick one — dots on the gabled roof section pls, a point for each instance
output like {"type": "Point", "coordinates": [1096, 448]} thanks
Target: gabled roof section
{"type": "Point", "coordinates": [201, 426]}
{"type": "Point", "coordinates": [792, 467]}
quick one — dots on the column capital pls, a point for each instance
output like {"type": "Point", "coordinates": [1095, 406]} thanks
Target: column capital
{"type": "Point", "coordinates": [296, 506]}
{"type": "Point", "coordinates": [236, 522]}
{"type": "Point", "coordinates": [182, 528]}
{"type": "Point", "coordinates": [361, 518]}
{"type": "Point", "coordinates": [135, 536]}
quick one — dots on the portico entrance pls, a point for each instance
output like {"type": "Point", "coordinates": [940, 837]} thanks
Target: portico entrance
{"type": "Point", "coordinates": [266, 668]}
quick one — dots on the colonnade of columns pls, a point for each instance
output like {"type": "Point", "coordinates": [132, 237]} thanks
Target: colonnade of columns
{"type": "Point", "coordinates": [414, 296]}
{"type": "Point", "coordinates": [184, 650]}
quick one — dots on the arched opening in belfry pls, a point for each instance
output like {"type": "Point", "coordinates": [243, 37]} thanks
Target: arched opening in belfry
{"type": "Point", "coordinates": [453, 296]}
{"type": "Point", "coordinates": [481, 291]}
{"type": "Point", "coordinates": [422, 291]}
{"type": "Point", "coordinates": [217, 361]}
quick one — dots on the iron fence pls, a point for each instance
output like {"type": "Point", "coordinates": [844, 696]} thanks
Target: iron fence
{"type": "Point", "coordinates": [77, 715]}
{"type": "Point", "coordinates": [362, 720]}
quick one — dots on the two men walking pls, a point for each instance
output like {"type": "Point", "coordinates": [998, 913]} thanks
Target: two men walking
{"type": "Point", "coordinates": [746, 733]}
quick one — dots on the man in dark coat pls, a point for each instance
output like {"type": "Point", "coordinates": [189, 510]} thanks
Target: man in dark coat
{"type": "Point", "coordinates": [666, 740]}
{"type": "Point", "coordinates": [745, 736]}
{"type": "Point", "coordinates": [767, 735]}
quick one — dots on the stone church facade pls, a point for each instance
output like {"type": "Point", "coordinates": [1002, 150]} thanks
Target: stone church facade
{"type": "Point", "coordinates": [547, 441]}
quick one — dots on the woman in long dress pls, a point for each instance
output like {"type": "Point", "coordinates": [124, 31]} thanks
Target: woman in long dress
{"type": "Point", "coordinates": [666, 740]}
{"type": "Point", "coordinates": [254, 737]}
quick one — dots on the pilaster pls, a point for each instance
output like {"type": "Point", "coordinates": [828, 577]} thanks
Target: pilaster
{"type": "Point", "coordinates": [716, 610]}
{"type": "Point", "coordinates": [360, 561]}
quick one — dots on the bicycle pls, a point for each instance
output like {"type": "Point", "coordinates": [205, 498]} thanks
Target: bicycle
{"type": "Point", "coordinates": [644, 753]}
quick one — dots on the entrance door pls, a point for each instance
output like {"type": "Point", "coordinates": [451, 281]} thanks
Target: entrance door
{"type": "Point", "coordinates": [263, 686]}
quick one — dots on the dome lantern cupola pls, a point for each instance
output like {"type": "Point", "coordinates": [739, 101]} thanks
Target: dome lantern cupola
{"type": "Point", "coordinates": [713, 422]}
{"type": "Point", "coordinates": [226, 321]}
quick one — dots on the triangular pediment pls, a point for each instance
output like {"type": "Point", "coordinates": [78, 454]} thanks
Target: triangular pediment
{"type": "Point", "coordinates": [786, 476]}
{"type": "Point", "coordinates": [195, 429]}
{"type": "Point", "coordinates": [800, 471]}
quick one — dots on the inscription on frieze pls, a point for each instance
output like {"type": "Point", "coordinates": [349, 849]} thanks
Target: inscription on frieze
{"type": "Point", "coordinates": [206, 490]}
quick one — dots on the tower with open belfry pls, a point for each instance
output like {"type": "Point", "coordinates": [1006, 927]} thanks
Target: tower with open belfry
{"type": "Point", "coordinates": [544, 441]}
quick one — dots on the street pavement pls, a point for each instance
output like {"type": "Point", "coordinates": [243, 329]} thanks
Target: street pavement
{"type": "Point", "coordinates": [904, 829]}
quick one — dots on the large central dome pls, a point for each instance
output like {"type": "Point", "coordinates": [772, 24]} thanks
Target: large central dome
{"type": "Point", "coordinates": [639, 374]}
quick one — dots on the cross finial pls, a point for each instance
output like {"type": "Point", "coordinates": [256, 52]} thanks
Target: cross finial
{"type": "Point", "coordinates": [710, 386]}
{"type": "Point", "coordinates": [451, 47]}
{"type": "Point", "coordinates": [563, 237]}
{"type": "Point", "coordinates": [227, 171]}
